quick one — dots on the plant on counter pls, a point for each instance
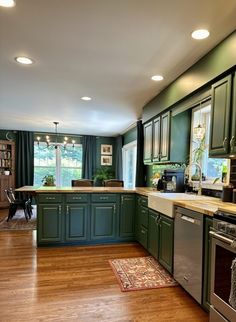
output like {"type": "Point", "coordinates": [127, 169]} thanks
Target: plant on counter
{"type": "Point", "coordinates": [48, 180]}
{"type": "Point", "coordinates": [103, 173]}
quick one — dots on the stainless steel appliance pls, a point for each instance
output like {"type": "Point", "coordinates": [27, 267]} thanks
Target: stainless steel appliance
{"type": "Point", "coordinates": [188, 241]}
{"type": "Point", "coordinates": [222, 280]}
{"type": "Point", "coordinates": [173, 180]}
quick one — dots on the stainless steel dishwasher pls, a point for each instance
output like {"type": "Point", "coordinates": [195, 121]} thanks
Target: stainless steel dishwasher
{"type": "Point", "coordinates": [188, 247]}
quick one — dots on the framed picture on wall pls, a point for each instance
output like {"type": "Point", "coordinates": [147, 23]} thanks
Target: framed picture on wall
{"type": "Point", "coordinates": [106, 160]}
{"type": "Point", "coordinates": [106, 149]}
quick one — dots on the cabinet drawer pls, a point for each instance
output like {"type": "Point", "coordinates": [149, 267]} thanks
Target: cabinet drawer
{"type": "Point", "coordinates": [77, 197]}
{"type": "Point", "coordinates": [49, 198]}
{"type": "Point", "coordinates": [143, 236]}
{"type": "Point", "coordinates": [143, 201]}
{"type": "Point", "coordinates": [144, 216]}
{"type": "Point", "coordinates": [102, 197]}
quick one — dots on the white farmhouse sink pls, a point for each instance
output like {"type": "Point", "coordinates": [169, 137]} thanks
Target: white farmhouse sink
{"type": "Point", "coordinates": [164, 202]}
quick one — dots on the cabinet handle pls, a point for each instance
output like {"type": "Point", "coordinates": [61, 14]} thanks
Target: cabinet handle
{"type": "Point", "coordinates": [114, 208]}
{"type": "Point", "coordinates": [59, 210]}
{"type": "Point", "coordinates": [232, 141]}
{"type": "Point", "coordinates": [67, 210]}
{"type": "Point", "coordinates": [103, 198]}
{"type": "Point", "coordinates": [143, 231]}
{"type": "Point", "coordinates": [50, 198]}
{"type": "Point", "coordinates": [122, 200]}
{"type": "Point", "coordinates": [225, 143]}
{"type": "Point", "coordinates": [76, 198]}
{"type": "Point", "coordinates": [157, 220]}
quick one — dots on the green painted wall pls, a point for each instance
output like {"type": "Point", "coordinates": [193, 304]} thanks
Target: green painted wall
{"type": "Point", "coordinates": [207, 69]}
{"type": "Point", "coordinates": [130, 135]}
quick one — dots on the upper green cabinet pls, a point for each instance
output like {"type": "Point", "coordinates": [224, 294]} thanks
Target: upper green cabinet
{"type": "Point", "coordinates": [223, 118]}
{"type": "Point", "coordinates": [156, 139]}
{"type": "Point", "coordinates": [148, 142]}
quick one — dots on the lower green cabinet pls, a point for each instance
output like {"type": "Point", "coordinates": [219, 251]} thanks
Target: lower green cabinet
{"type": "Point", "coordinates": [76, 222]}
{"type": "Point", "coordinates": [127, 209]}
{"type": "Point", "coordinates": [103, 221]}
{"type": "Point", "coordinates": [166, 242]}
{"type": "Point", "coordinates": [207, 263]}
{"type": "Point", "coordinates": [141, 221]}
{"type": "Point", "coordinates": [153, 233]}
{"type": "Point", "coordinates": [49, 223]}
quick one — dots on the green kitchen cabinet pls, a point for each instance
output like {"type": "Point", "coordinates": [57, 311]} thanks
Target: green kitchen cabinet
{"type": "Point", "coordinates": [141, 221]}
{"type": "Point", "coordinates": [76, 223]}
{"type": "Point", "coordinates": [208, 223]}
{"type": "Point", "coordinates": [49, 223]}
{"type": "Point", "coordinates": [103, 221]}
{"type": "Point", "coordinates": [156, 139]}
{"type": "Point", "coordinates": [221, 138]}
{"type": "Point", "coordinates": [153, 233]}
{"type": "Point", "coordinates": [166, 242]}
{"type": "Point", "coordinates": [165, 137]}
{"type": "Point", "coordinates": [127, 211]}
{"type": "Point", "coordinates": [147, 128]}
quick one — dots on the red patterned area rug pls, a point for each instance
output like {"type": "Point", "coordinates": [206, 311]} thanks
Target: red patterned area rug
{"type": "Point", "coordinates": [18, 222]}
{"type": "Point", "coordinates": [140, 273]}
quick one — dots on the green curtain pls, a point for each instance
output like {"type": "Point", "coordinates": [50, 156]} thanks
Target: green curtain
{"type": "Point", "coordinates": [140, 167]}
{"type": "Point", "coordinates": [118, 158]}
{"type": "Point", "coordinates": [89, 157]}
{"type": "Point", "coordinates": [24, 158]}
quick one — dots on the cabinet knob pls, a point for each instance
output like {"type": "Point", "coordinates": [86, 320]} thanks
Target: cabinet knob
{"type": "Point", "coordinates": [59, 210]}
{"type": "Point", "coordinates": [232, 142]}
{"type": "Point", "coordinates": [225, 143]}
{"type": "Point", "coordinates": [67, 210]}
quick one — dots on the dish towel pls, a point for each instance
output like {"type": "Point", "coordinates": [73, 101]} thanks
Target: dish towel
{"type": "Point", "coordinates": [232, 296]}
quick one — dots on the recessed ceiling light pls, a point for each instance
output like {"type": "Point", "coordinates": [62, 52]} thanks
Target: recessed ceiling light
{"type": "Point", "coordinates": [24, 60]}
{"type": "Point", "coordinates": [157, 78]}
{"type": "Point", "coordinates": [86, 98]}
{"type": "Point", "coordinates": [200, 34]}
{"type": "Point", "coordinates": [7, 3]}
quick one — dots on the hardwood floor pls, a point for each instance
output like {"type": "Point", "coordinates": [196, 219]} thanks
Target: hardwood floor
{"type": "Point", "coordinates": [77, 284]}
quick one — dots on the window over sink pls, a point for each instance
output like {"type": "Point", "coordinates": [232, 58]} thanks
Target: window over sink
{"type": "Point", "coordinates": [214, 170]}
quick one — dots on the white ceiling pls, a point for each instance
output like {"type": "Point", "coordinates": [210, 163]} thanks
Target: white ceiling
{"type": "Point", "coordinates": [106, 49]}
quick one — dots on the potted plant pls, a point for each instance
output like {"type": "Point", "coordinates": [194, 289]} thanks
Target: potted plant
{"type": "Point", "coordinates": [48, 180]}
{"type": "Point", "coordinates": [103, 173]}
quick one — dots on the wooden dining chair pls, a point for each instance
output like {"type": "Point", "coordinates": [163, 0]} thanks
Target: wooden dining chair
{"type": "Point", "coordinates": [113, 183]}
{"type": "Point", "coordinates": [82, 183]}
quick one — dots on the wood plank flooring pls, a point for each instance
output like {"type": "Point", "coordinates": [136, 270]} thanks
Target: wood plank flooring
{"type": "Point", "coordinates": [77, 284]}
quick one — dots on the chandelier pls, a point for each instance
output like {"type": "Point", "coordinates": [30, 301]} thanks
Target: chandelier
{"type": "Point", "coordinates": [199, 130]}
{"type": "Point", "coordinates": [56, 144]}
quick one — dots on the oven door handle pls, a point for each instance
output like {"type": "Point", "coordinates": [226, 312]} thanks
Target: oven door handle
{"type": "Point", "coordinates": [223, 239]}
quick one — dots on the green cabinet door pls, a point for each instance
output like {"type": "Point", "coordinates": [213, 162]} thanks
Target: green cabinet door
{"type": "Point", "coordinates": [153, 233]}
{"type": "Point", "coordinates": [166, 242]}
{"type": "Point", "coordinates": [220, 117]}
{"type": "Point", "coordinates": [233, 119]}
{"type": "Point", "coordinates": [76, 222]}
{"type": "Point", "coordinates": [147, 158]}
{"type": "Point", "coordinates": [103, 221]}
{"type": "Point", "coordinates": [156, 147]}
{"type": "Point", "coordinates": [127, 210]}
{"type": "Point", "coordinates": [165, 136]}
{"type": "Point", "coordinates": [49, 223]}
{"type": "Point", "coordinates": [207, 263]}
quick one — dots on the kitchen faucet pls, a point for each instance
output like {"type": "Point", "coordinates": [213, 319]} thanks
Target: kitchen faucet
{"type": "Point", "coordinates": [200, 175]}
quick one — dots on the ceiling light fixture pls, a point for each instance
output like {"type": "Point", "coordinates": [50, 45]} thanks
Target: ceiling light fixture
{"type": "Point", "coordinates": [157, 78]}
{"type": "Point", "coordinates": [200, 34]}
{"type": "Point", "coordinates": [24, 60]}
{"type": "Point", "coordinates": [7, 3]}
{"type": "Point", "coordinates": [56, 144]}
{"type": "Point", "coordinates": [86, 98]}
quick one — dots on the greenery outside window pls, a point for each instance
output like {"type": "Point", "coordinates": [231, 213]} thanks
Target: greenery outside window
{"type": "Point", "coordinates": [213, 169]}
{"type": "Point", "coordinates": [64, 164]}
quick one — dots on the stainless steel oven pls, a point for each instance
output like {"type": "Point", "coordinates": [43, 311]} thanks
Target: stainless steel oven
{"type": "Point", "coordinates": [223, 272]}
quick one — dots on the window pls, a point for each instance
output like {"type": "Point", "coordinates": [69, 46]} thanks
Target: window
{"type": "Point", "coordinates": [200, 135]}
{"type": "Point", "coordinates": [65, 165]}
{"type": "Point", "coordinates": [129, 164]}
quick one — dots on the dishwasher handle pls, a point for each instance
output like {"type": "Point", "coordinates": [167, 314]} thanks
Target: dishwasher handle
{"type": "Point", "coordinates": [190, 220]}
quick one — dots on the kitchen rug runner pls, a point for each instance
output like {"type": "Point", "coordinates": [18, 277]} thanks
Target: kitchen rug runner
{"type": "Point", "coordinates": [18, 222]}
{"type": "Point", "coordinates": [140, 273]}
